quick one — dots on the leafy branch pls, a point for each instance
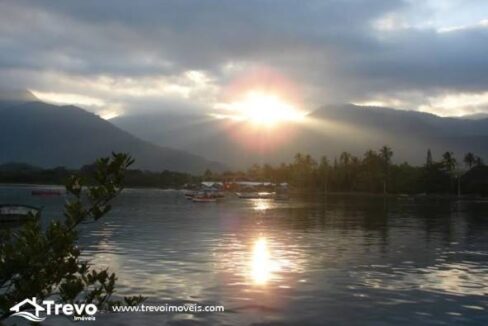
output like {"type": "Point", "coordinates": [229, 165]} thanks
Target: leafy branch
{"type": "Point", "coordinates": [47, 264]}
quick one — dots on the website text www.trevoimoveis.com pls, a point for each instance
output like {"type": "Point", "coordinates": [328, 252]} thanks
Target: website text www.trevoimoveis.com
{"type": "Point", "coordinates": [183, 308]}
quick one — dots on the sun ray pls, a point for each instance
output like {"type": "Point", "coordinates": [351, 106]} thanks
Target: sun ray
{"type": "Point", "coordinates": [261, 109]}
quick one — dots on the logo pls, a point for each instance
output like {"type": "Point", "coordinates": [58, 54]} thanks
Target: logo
{"type": "Point", "coordinates": [27, 315]}
{"type": "Point", "coordinates": [83, 311]}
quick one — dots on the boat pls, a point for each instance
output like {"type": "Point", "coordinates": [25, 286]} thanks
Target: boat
{"type": "Point", "coordinates": [18, 213]}
{"type": "Point", "coordinates": [246, 195]}
{"type": "Point", "coordinates": [204, 197]}
{"type": "Point", "coordinates": [189, 195]}
{"type": "Point", "coordinates": [218, 194]}
{"type": "Point", "coordinates": [282, 192]}
{"type": "Point", "coordinates": [197, 199]}
{"type": "Point", "coordinates": [46, 192]}
{"type": "Point", "coordinates": [266, 195]}
{"type": "Point", "coordinates": [255, 195]}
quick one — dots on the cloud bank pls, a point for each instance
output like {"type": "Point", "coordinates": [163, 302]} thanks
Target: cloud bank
{"type": "Point", "coordinates": [125, 57]}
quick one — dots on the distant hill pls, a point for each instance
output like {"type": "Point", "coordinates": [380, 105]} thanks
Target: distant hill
{"type": "Point", "coordinates": [15, 96]}
{"type": "Point", "coordinates": [18, 167]}
{"type": "Point", "coordinates": [476, 116]}
{"type": "Point", "coordinates": [329, 131]}
{"type": "Point", "coordinates": [46, 135]}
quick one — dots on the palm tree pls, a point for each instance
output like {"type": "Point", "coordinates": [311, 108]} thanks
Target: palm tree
{"type": "Point", "coordinates": [344, 162]}
{"type": "Point", "coordinates": [449, 161]}
{"type": "Point", "coordinates": [469, 160]}
{"type": "Point", "coordinates": [324, 171]}
{"type": "Point", "coordinates": [386, 154]}
{"type": "Point", "coordinates": [429, 161]}
{"type": "Point", "coordinates": [345, 158]}
{"type": "Point", "coordinates": [324, 162]}
{"type": "Point", "coordinates": [298, 158]}
{"type": "Point", "coordinates": [309, 161]}
{"type": "Point", "coordinates": [207, 175]}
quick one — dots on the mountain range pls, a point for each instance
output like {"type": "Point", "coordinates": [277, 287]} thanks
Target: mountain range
{"type": "Point", "coordinates": [47, 135]}
{"type": "Point", "coordinates": [328, 131]}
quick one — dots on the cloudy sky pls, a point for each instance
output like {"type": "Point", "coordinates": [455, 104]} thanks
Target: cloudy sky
{"type": "Point", "coordinates": [125, 56]}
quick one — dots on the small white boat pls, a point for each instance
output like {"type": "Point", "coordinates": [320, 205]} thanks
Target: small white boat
{"type": "Point", "coordinates": [46, 192]}
{"type": "Point", "coordinates": [18, 213]}
{"type": "Point", "coordinates": [247, 195]}
{"type": "Point", "coordinates": [209, 193]}
{"type": "Point", "coordinates": [218, 194]}
{"type": "Point", "coordinates": [255, 195]}
{"type": "Point", "coordinates": [188, 193]}
{"type": "Point", "coordinates": [266, 195]}
{"type": "Point", "coordinates": [203, 199]}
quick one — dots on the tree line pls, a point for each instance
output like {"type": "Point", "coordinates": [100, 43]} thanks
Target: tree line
{"type": "Point", "coordinates": [23, 173]}
{"type": "Point", "coordinates": [373, 172]}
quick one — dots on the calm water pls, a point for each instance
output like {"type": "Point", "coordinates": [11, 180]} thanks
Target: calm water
{"type": "Point", "coordinates": [338, 260]}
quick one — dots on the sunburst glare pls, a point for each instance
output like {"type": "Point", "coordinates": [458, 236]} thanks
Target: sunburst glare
{"type": "Point", "coordinates": [262, 109]}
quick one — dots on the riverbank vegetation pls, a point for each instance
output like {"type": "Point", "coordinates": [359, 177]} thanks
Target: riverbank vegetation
{"type": "Point", "coordinates": [372, 172]}
{"type": "Point", "coordinates": [46, 262]}
{"type": "Point", "coordinates": [19, 173]}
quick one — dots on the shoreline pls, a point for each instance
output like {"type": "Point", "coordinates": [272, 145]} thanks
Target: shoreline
{"type": "Point", "coordinates": [295, 192]}
{"type": "Point", "coordinates": [35, 185]}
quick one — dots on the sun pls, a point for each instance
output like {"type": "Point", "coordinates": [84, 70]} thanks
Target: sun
{"type": "Point", "coordinates": [262, 109]}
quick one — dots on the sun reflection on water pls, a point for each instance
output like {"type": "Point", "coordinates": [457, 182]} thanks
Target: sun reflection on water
{"type": "Point", "coordinates": [260, 265]}
{"type": "Point", "coordinates": [261, 205]}
{"type": "Point", "coordinates": [263, 265]}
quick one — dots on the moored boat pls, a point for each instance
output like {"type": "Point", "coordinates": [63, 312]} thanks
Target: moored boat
{"type": "Point", "coordinates": [46, 192]}
{"type": "Point", "coordinates": [18, 213]}
{"type": "Point", "coordinates": [204, 197]}
{"type": "Point", "coordinates": [189, 195]}
{"type": "Point", "coordinates": [247, 195]}
{"type": "Point", "coordinates": [255, 195]}
{"type": "Point", "coordinates": [266, 195]}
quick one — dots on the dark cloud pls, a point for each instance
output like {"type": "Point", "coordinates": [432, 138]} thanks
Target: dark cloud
{"type": "Point", "coordinates": [416, 59]}
{"type": "Point", "coordinates": [331, 48]}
